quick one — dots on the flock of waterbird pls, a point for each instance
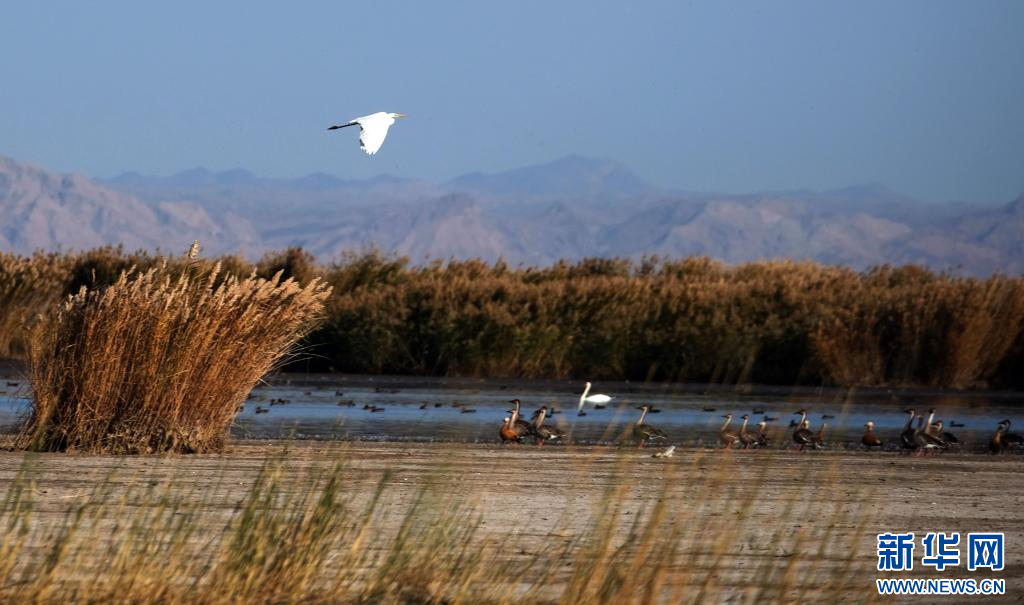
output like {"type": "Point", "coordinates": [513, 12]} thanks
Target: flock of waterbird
{"type": "Point", "coordinates": [920, 435]}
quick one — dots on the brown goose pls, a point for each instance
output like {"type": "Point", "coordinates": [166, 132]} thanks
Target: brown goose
{"type": "Point", "coordinates": [521, 427]}
{"type": "Point", "coordinates": [507, 434]}
{"type": "Point", "coordinates": [1004, 439]}
{"type": "Point", "coordinates": [761, 436]}
{"type": "Point", "coordinates": [926, 441]}
{"type": "Point", "coordinates": [542, 432]}
{"type": "Point", "coordinates": [907, 436]}
{"type": "Point", "coordinates": [819, 437]}
{"type": "Point", "coordinates": [950, 438]}
{"type": "Point", "coordinates": [727, 437]}
{"type": "Point", "coordinates": [746, 439]}
{"type": "Point", "coordinates": [645, 432]}
{"type": "Point", "coordinates": [870, 439]}
{"type": "Point", "coordinates": [802, 435]}
{"type": "Point", "coordinates": [996, 445]}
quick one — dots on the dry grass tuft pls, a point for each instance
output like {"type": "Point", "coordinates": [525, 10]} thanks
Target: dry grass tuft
{"type": "Point", "coordinates": [160, 360]}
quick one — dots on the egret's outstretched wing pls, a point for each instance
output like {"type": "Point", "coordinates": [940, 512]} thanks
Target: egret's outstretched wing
{"type": "Point", "coordinates": [373, 130]}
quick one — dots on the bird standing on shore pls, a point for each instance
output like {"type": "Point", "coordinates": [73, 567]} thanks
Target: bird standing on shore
{"type": "Point", "coordinates": [645, 432]}
{"type": "Point", "coordinates": [727, 437]}
{"type": "Point", "coordinates": [907, 436]}
{"type": "Point", "coordinates": [372, 129]}
{"type": "Point", "coordinates": [506, 433]}
{"type": "Point", "coordinates": [520, 426]}
{"type": "Point", "coordinates": [542, 432]}
{"type": "Point", "coordinates": [803, 436]}
{"type": "Point", "coordinates": [870, 439]}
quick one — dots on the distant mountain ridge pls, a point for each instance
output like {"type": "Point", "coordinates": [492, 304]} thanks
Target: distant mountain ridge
{"type": "Point", "coordinates": [570, 208]}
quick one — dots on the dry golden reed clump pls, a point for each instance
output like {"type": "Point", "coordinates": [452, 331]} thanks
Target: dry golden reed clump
{"type": "Point", "coordinates": [160, 360]}
{"type": "Point", "coordinates": [28, 285]}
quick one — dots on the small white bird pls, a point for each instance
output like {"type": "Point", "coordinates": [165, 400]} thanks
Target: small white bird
{"type": "Point", "coordinates": [666, 453]}
{"type": "Point", "coordinates": [597, 398]}
{"type": "Point", "coordinates": [372, 129]}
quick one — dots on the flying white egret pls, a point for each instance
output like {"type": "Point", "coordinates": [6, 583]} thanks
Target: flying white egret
{"type": "Point", "coordinates": [597, 398]}
{"type": "Point", "coordinates": [372, 129]}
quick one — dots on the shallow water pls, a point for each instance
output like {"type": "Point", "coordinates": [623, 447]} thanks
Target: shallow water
{"type": "Point", "coordinates": [418, 409]}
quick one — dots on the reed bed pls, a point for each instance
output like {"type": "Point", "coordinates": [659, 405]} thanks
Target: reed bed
{"type": "Point", "coordinates": [161, 359]}
{"type": "Point", "coordinates": [691, 319]}
{"type": "Point", "coordinates": [301, 532]}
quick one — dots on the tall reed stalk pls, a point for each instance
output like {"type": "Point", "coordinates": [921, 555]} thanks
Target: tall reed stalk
{"type": "Point", "coordinates": [160, 360]}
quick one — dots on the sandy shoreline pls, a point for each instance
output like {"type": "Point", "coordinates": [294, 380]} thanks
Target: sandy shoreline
{"type": "Point", "coordinates": [823, 507]}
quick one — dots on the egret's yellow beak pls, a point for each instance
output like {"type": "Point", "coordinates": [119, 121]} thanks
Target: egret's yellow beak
{"type": "Point", "coordinates": [400, 115]}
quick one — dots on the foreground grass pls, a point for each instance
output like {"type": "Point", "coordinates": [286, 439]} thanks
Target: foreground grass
{"type": "Point", "coordinates": [322, 527]}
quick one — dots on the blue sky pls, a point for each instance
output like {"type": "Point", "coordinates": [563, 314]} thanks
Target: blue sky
{"type": "Point", "coordinates": [926, 97]}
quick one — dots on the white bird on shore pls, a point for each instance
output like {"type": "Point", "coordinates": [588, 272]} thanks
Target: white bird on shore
{"type": "Point", "coordinates": [665, 453]}
{"type": "Point", "coordinates": [372, 129]}
{"type": "Point", "coordinates": [596, 398]}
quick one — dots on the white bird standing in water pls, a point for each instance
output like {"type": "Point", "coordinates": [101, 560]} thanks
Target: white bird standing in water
{"type": "Point", "coordinates": [372, 129]}
{"type": "Point", "coordinates": [596, 398]}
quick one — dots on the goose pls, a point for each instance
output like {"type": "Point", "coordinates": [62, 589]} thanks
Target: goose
{"type": "Point", "coordinates": [727, 437]}
{"type": "Point", "coordinates": [596, 398]}
{"type": "Point", "coordinates": [761, 436]}
{"type": "Point", "coordinates": [507, 434]}
{"type": "Point", "coordinates": [802, 436]}
{"type": "Point", "coordinates": [819, 437]}
{"type": "Point", "coordinates": [520, 426]}
{"type": "Point", "coordinates": [746, 439]}
{"type": "Point", "coordinates": [946, 436]}
{"type": "Point", "coordinates": [907, 436]}
{"type": "Point", "coordinates": [926, 441]}
{"type": "Point", "coordinates": [870, 439]}
{"type": "Point", "coordinates": [645, 432]}
{"type": "Point", "coordinates": [544, 433]}
{"type": "Point", "coordinates": [996, 445]}
{"type": "Point", "coordinates": [1010, 439]}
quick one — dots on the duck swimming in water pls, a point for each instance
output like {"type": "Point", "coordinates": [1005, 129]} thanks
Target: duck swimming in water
{"type": "Point", "coordinates": [870, 439]}
{"type": "Point", "coordinates": [645, 432]}
{"type": "Point", "coordinates": [598, 399]}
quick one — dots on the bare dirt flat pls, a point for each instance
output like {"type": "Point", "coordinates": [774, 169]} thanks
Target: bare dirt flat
{"type": "Point", "coordinates": [813, 514]}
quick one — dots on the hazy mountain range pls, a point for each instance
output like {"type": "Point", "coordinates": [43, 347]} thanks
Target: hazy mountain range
{"type": "Point", "coordinates": [569, 208]}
